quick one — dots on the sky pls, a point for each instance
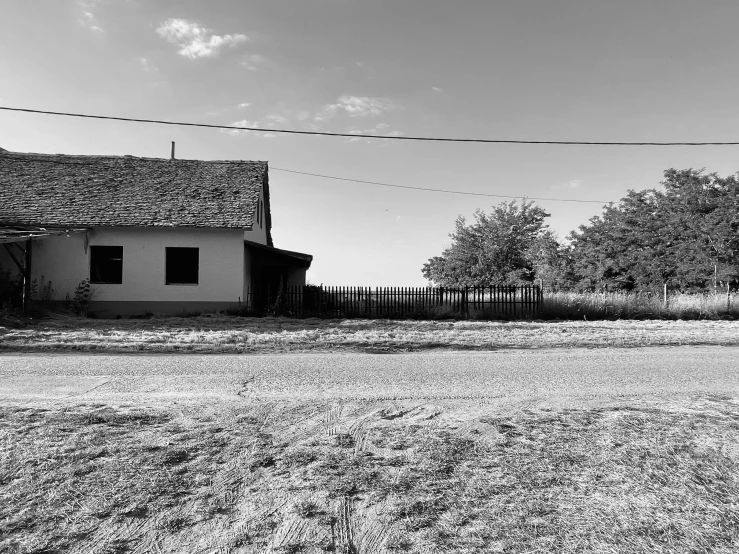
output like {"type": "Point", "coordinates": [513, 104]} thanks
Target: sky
{"type": "Point", "coordinates": [584, 70]}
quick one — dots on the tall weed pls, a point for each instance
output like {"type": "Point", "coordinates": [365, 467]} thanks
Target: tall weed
{"type": "Point", "coordinates": [627, 305]}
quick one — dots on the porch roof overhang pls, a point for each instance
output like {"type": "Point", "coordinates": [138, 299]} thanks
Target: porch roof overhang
{"type": "Point", "coordinates": [306, 259]}
{"type": "Point", "coordinates": [22, 233]}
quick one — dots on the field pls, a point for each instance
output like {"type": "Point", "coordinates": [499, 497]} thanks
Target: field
{"type": "Point", "coordinates": [369, 478]}
{"type": "Point", "coordinates": [225, 334]}
{"type": "Point", "coordinates": [361, 477]}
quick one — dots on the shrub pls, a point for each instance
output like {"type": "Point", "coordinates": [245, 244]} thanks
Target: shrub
{"type": "Point", "coordinates": [11, 289]}
{"type": "Point", "coordinates": [83, 294]}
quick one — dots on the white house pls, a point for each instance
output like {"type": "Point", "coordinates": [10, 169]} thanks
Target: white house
{"type": "Point", "coordinates": [151, 235]}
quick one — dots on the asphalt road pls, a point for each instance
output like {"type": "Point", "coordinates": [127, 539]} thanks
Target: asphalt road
{"type": "Point", "coordinates": [577, 375]}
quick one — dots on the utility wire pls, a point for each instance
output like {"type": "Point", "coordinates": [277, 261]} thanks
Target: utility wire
{"type": "Point", "coordinates": [350, 135]}
{"type": "Point", "coordinates": [438, 190]}
{"type": "Point", "coordinates": [44, 160]}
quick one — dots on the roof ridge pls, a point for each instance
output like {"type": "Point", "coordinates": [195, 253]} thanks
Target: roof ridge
{"type": "Point", "coordinates": [127, 156]}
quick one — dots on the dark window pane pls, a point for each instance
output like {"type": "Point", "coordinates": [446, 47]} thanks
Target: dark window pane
{"type": "Point", "coordinates": [106, 264]}
{"type": "Point", "coordinates": [182, 266]}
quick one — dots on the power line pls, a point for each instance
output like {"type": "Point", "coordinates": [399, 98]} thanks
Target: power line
{"type": "Point", "coordinates": [351, 135]}
{"type": "Point", "coordinates": [439, 190]}
{"type": "Point", "coordinates": [8, 155]}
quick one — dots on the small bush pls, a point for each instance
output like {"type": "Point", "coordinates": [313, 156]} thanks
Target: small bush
{"type": "Point", "coordinates": [11, 289]}
{"type": "Point", "coordinates": [83, 294]}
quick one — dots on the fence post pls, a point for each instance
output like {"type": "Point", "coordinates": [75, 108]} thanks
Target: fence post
{"type": "Point", "coordinates": [539, 292]}
{"type": "Point", "coordinates": [664, 295]}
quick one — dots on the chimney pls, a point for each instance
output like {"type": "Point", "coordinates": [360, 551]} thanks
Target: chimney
{"type": "Point", "coordinates": [173, 150]}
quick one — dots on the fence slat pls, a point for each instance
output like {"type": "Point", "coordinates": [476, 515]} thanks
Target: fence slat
{"type": "Point", "coordinates": [387, 302]}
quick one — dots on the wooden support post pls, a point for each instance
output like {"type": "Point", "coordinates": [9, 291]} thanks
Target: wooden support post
{"type": "Point", "coordinates": [25, 270]}
{"type": "Point", "coordinates": [27, 277]}
{"type": "Point", "coordinates": [16, 260]}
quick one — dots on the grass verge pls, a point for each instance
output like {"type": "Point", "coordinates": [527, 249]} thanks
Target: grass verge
{"type": "Point", "coordinates": [267, 335]}
{"type": "Point", "coordinates": [369, 478]}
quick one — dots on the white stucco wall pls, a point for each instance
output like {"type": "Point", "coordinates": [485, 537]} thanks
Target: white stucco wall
{"type": "Point", "coordinates": [248, 261]}
{"type": "Point", "coordinates": [63, 261]}
{"type": "Point", "coordinates": [259, 230]}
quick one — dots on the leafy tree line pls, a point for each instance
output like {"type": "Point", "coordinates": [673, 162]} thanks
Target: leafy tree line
{"type": "Point", "coordinates": [686, 236]}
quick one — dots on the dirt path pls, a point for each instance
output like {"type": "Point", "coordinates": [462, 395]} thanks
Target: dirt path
{"type": "Point", "coordinates": [577, 375]}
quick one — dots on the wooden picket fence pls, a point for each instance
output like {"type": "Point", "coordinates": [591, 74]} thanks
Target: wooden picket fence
{"type": "Point", "coordinates": [347, 302]}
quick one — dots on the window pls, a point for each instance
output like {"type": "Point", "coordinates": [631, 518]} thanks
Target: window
{"type": "Point", "coordinates": [106, 265]}
{"type": "Point", "coordinates": [181, 266]}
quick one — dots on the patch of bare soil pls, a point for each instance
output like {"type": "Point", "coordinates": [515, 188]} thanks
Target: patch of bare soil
{"type": "Point", "coordinates": [220, 334]}
{"type": "Point", "coordinates": [370, 478]}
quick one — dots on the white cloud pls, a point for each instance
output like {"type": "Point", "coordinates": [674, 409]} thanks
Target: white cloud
{"type": "Point", "coordinates": [246, 123]}
{"type": "Point", "coordinates": [252, 62]}
{"type": "Point", "coordinates": [240, 123]}
{"type": "Point", "coordinates": [146, 65]}
{"type": "Point", "coordinates": [195, 41]}
{"type": "Point", "coordinates": [382, 129]}
{"type": "Point", "coordinates": [437, 89]}
{"type": "Point", "coordinates": [357, 106]}
{"type": "Point", "coordinates": [244, 105]}
{"type": "Point", "coordinates": [89, 18]}
{"type": "Point", "coordinates": [573, 184]}
{"type": "Point", "coordinates": [276, 119]}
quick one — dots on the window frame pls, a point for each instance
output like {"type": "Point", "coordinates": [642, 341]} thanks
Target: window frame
{"type": "Point", "coordinates": [94, 247]}
{"type": "Point", "coordinates": [197, 269]}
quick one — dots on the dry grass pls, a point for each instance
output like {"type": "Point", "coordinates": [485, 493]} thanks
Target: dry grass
{"type": "Point", "coordinates": [265, 335]}
{"type": "Point", "coordinates": [622, 305]}
{"type": "Point", "coordinates": [369, 478]}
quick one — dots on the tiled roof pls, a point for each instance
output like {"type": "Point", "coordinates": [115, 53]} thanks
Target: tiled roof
{"type": "Point", "coordinates": [306, 258]}
{"type": "Point", "coordinates": [111, 191]}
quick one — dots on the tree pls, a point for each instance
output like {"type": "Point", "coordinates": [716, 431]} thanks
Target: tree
{"type": "Point", "coordinates": [495, 249]}
{"type": "Point", "coordinates": [686, 236]}
{"type": "Point", "coordinates": [706, 209]}
{"type": "Point", "coordinates": [551, 261]}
